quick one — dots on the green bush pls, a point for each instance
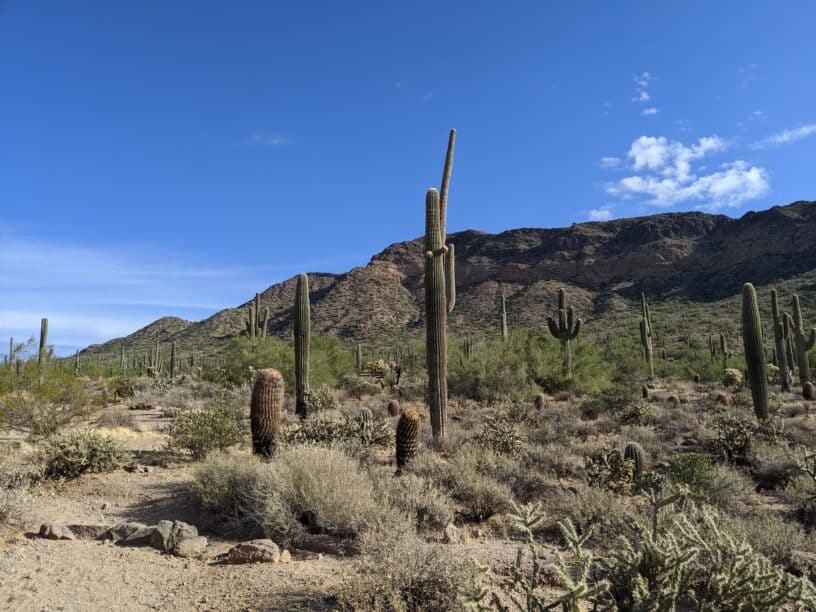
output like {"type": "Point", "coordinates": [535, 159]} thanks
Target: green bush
{"type": "Point", "coordinates": [72, 454]}
{"type": "Point", "coordinates": [201, 432]}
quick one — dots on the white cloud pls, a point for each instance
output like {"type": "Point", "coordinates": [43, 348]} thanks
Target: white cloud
{"type": "Point", "coordinates": [642, 85]}
{"type": "Point", "coordinates": [664, 176]}
{"type": "Point", "coordinates": [649, 111]}
{"type": "Point", "coordinates": [610, 162]}
{"type": "Point", "coordinates": [786, 136]}
{"type": "Point", "coordinates": [259, 139]}
{"type": "Point", "coordinates": [604, 213]}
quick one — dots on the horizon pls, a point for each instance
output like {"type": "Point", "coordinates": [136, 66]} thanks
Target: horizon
{"type": "Point", "coordinates": [163, 161]}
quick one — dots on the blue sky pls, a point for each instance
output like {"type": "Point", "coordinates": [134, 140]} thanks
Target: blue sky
{"type": "Point", "coordinates": [175, 157]}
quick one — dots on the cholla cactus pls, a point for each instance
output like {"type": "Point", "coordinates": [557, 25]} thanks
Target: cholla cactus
{"type": "Point", "coordinates": [567, 328]}
{"type": "Point", "coordinates": [266, 411]}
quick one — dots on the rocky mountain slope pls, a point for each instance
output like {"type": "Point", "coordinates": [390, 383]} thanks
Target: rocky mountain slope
{"type": "Point", "coordinates": [673, 256]}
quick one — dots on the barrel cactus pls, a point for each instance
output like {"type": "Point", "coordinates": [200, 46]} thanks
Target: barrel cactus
{"type": "Point", "coordinates": [302, 339]}
{"type": "Point", "coordinates": [394, 408]}
{"type": "Point", "coordinates": [540, 401]}
{"type": "Point", "coordinates": [754, 351]}
{"type": "Point", "coordinates": [266, 411]}
{"type": "Point", "coordinates": [407, 437]}
{"type": "Point", "coordinates": [634, 453]}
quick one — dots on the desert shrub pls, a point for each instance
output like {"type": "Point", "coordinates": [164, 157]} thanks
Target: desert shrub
{"type": "Point", "coordinates": [328, 363]}
{"type": "Point", "coordinates": [321, 399]}
{"type": "Point", "coordinates": [115, 418]}
{"type": "Point", "coordinates": [202, 431]}
{"type": "Point", "coordinates": [500, 434]}
{"type": "Point", "coordinates": [734, 440]}
{"type": "Point", "coordinates": [613, 400]}
{"type": "Point", "coordinates": [416, 497]}
{"type": "Point", "coordinates": [312, 488]}
{"type": "Point", "coordinates": [358, 387]}
{"type": "Point", "coordinates": [14, 490]}
{"type": "Point", "coordinates": [693, 470]}
{"type": "Point", "coordinates": [470, 478]}
{"type": "Point", "coordinates": [44, 409]}
{"type": "Point", "coordinates": [608, 469]}
{"type": "Point", "coordinates": [329, 431]}
{"type": "Point", "coordinates": [775, 474]}
{"type": "Point", "coordinates": [401, 573]}
{"type": "Point", "coordinates": [72, 454]}
{"type": "Point", "coordinates": [771, 535]}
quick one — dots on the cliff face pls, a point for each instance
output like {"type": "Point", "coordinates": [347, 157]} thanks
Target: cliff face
{"type": "Point", "coordinates": [676, 255]}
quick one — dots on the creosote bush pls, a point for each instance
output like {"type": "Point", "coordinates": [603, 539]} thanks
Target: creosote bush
{"type": "Point", "coordinates": [303, 488]}
{"type": "Point", "coordinates": [200, 432]}
{"type": "Point", "coordinates": [72, 454]}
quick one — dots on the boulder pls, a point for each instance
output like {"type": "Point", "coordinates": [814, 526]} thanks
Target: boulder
{"type": "Point", "coordinates": [132, 532]}
{"type": "Point", "coordinates": [55, 531]}
{"type": "Point", "coordinates": [255, 551]}
{"type": "Point", "coordinates": [167, 534]}
{"type": "Point", "coordinates": [190, 547]}
{"type": "Point", "coordinates": [455, 535]}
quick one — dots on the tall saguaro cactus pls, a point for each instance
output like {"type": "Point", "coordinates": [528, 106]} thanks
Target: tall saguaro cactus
{"type": "Point", "coordinates": [754, 350]}
{"type": "Point", "coordinates": [776, 320]}
{"type": "Point", "coordinates": [724, 354]}
{"type": "Point", "coordinates": [781, 356]}
{"type": "Point", "coordinates": [567, 328]}
{"type": "Point", "coordinates": [302, 340]}
{"type": "Point", "coordinates": [802, 343]}
{"type": "Point", "coordinates": [41, 356]}
{"type": "Point", "coordinates": [173, 360]}
{"type": "Point", "coordinates": [503, 316]}
{"type": "Point", "coordinates": [450, 258]}
{"type": "Point", "coordinates": [436, 323]}
{"type": "Point", "coordinates": [646, 335]}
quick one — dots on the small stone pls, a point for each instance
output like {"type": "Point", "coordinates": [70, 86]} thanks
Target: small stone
{"type": "Point", "coordinates": [190, 547]}
{"type": "Point", "coordinates": [169, 533]}
{"type": "Point", "coordinates": [285, 557]}
{"type": "Point", "coordinates": [255, 551]}
{"type": "Point", "coordinates": [54, 531]}
{"type": "Point", "coordinates": [454, 535]}
{"type": "Point", "coordinates": [132, 532]}
{"type": "Point", "coordinates": [137, 468]}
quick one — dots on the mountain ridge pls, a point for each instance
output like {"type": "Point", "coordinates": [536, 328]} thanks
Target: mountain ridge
{"type": "Point", "coordinates": [674, 255]}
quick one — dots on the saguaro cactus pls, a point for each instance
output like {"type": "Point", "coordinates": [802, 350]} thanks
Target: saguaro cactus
{"type": "Point", "coordinates": [407, 437]}
{"type": "Point", "coordinates": [567, 328]}
{"type": "Point", "coordinates": [172, 360]}
{"type": "Point", "coordinates": [724, 354]}
{"type": "Point", "coordinates": [450, 258]}
{"type": "Point", "coordinates": [802, 342]}
{"type": "Point", "coordinates": [503, 316]}
{"type": "Point", "coordinates": [781, 356]}
{"type": "Point", "coordinates": [266, 411]}
{"type": "Point", "coordinates": [255, 324]}
{"type": "Point", "coordinates": [436, 324]}
{"type": "Point", "coordinates": [11, 352]}
{"type": "Point", "coordinates": [776, 317]}
{"type": "Point", "coordinates": [43, 353]}
{"type": "Point", "coordinates": [754, 351]}
{"type": "Point", "coordinates": [359, 357]}
{"type": "Point", "coordinates": [302, 340]}
{"type": "Point", "coordinates": [450, 278]}
{"type": "Point", "coordinates": [646, 335]}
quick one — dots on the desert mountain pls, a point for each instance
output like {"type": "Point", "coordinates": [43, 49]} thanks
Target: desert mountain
{"type": "Point", "coordinates": [694, 256]}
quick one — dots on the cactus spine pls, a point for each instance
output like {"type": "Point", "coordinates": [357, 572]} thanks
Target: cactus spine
{"type": "Point", "coordinates": [802, 343]}
{"type": "Point", "coordinates": [266, 411]}
{"type": "Point", "coordinates": [754, 353]}
{"type": "Point", "coordinates": [567, 328]}
{"type": "Point", "coordinates": [302, 341]}
{"type": "Point", "coordinates": [407, 438]}
{"type": "Point", "coordinates": [634, 453]}
{"type": "Point", "coordinates": [436, 325]}
{"type": "Point", "coordinates": [503, 317]}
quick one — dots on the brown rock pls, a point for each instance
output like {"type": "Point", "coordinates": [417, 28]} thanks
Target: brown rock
{"type": "Point", "coordinates": [190, 547]}
{"type": "Point", "coordinates": [255, 551]}
{"type": "Point", "coordinates": [55, 531]}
